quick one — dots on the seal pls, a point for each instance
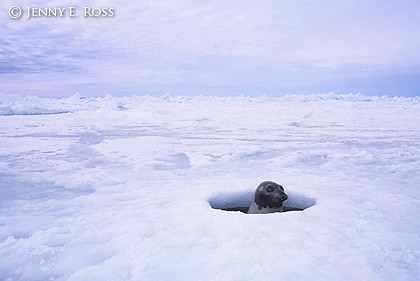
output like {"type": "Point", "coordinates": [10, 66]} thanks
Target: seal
{"type": "Point", "coordinates": [268, 198]}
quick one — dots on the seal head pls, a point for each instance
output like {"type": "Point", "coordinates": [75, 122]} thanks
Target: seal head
{"type": "Point", "coordinates": [268, 198]}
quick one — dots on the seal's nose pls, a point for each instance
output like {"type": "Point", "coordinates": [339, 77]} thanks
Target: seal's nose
{"type": "Point", "coordinates": [284, 197]}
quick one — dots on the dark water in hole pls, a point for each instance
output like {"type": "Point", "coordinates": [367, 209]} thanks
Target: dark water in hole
{"type": "Point", "coordinates": [245, 209]}
{"type": "Point", "coordinates": [240, 202]}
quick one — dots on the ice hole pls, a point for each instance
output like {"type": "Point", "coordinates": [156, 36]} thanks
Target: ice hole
{"type": "Point", "coordinates": [241, 202]}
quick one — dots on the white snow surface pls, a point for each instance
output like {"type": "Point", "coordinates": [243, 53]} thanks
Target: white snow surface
{"type": "Point", "coordinates": [119, 188]}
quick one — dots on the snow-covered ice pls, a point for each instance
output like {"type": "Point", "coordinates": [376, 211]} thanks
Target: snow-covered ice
{"type": "Point", "coordinates": [120, 188]}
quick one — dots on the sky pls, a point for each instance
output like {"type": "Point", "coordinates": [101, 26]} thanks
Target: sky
{"type": "Point", "coordinates": [213, 47]}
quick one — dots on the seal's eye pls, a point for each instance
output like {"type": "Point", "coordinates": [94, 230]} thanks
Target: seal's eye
{"type": "Point", "coordinates": [270, 189]}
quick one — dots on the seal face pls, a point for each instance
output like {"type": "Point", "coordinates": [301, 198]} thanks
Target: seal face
{"type": "Point", "coordinates": [268, 198]}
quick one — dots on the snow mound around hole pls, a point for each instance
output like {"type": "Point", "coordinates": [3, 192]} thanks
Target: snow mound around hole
{"type": "Point", "coordinates": [240, 201]}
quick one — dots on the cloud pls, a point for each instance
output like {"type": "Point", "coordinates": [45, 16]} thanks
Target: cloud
{"type": "Point", "coordinates": [215, 44]}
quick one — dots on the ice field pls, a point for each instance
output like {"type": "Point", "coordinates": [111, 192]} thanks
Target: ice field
{"type": "Point", "coordinates": [123, 188]}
